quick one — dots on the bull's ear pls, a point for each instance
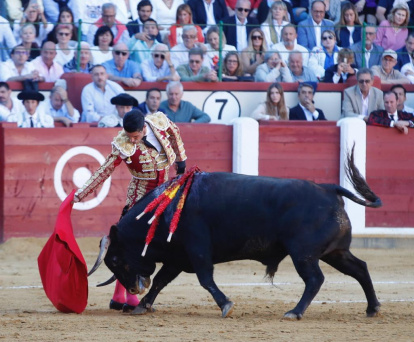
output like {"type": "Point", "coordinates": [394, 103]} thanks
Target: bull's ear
{"type": "Point", "coordinates": [113, 233]}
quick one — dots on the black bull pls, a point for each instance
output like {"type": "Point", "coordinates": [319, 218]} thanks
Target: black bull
{"type": "Point", "coordinates": [235, 217]}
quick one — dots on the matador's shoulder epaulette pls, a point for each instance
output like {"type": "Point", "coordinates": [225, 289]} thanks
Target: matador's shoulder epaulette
{"type": "Point", "coordinates": [122, 143]}
{"type": "Point", "coordinates": [159, 120]}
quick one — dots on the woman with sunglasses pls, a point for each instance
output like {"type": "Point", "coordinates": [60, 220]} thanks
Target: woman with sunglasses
{"type": "Point", "coordinates": [184, 17]}
{"type": "Point", "coordinates": [212, 46]}
{"type": "Point", "coordinates": [321, 58]}
{"type": "Point", "coordinates": [344, 69]}
{"type": "Point", "coordinates": [65, 47]}
{"type": "Point", "coordinates": [103, 42]}
{"type": "Point", "coordinates": [392, 33]}
{"type": "Point", "coordinates": [65, 17]}
{"type": "Point", "coordinates": [274, 108]}
{"type": "Point", "coordinates": [159, 67]}
{"type": "Point", "coordinates": [253, 55]}
{"type": "Point", "coordinates": [349, 28]}
{"type": "Point", "coordinates": [276, 19]}
{"type": "Point", "coordinates": [28, 36]}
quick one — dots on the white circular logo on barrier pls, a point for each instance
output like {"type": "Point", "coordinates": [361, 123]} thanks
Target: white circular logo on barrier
{"type": "Point", "coordinates": [80, 176]}
{"type": "Point", "coordinates": [222, 106]}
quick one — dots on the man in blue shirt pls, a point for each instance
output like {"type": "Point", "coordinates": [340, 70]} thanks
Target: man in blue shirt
{"type": "Point", "coordinates": [121, 69]}
{"type": "Point", "coordinates": [178, 110]}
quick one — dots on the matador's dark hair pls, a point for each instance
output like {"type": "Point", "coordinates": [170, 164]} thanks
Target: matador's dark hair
{"type": "Point", "coordinates": [134, 121]}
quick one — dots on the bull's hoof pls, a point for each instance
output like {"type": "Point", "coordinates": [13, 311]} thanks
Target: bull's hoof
{"type": "Point", "coordinates": [113, 305]}
{"type": "Point", "coordinates": [374, 312]}
{"type": "Point", "coordinates": [292, 316]}
{"type": "Point", "coordinates": [140, 310]}
{"type": "Point", "coordinates": [227, 309]}
{"type": "Point", "coordinates": [128, 308]}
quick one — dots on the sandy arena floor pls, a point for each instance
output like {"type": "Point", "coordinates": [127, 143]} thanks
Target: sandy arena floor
{"type": "Point", "coordinates": [186, 312]}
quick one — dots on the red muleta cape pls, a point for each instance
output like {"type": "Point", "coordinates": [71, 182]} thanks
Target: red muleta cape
{"type": "Point", "coordinates": [62, 267]}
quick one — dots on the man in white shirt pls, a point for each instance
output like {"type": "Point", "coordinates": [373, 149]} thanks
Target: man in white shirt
{"type": "Point", "coordinates": [60, 108]}
{"type": "Point", "coordinates": [306, 110]}
{"type": "Point", "coordinates": [33, 116]}
{"type": "Point", "coordinates": [9, 106]}
{"type": "Point", "coordinates": [18, 68]}
{"type": "Point", "coordinates": [49, 70]}
{"type": "Point", "coordinates": [289, 44]}
{"type": "Point", "coordinates": [402, 97]}
{"type": "Point", "coordinates": [96, 96]}
{"type": "Point", "coordinates": [159, 67]}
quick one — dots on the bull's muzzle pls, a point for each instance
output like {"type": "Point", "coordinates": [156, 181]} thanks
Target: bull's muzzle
{"type": "Point", "coordinates": [141, 284]}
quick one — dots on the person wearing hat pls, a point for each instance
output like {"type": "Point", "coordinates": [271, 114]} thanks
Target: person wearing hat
{"type": "Point", "coordinates": [123, 103]}
{"type": "Point", "coordinates": [386, 71]}
{"type": "Point", "coordinates": [148, 145]}
{"type": "Point", "coordinates": [32, 116]}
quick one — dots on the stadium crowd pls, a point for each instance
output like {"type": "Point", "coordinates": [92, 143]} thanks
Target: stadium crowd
{"type": "Point", "coordinates": [126, 42]}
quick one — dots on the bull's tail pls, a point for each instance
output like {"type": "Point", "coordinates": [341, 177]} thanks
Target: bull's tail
{"type": "Point", "coordinates": [370, 199]}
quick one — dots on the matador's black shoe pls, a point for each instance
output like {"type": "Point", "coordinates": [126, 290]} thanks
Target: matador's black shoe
{"type": "Point", "coordinates": [115, 305]}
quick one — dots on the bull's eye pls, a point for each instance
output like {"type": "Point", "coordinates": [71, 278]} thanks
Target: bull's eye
{"type": "Point", "coordinates": [115, 261]}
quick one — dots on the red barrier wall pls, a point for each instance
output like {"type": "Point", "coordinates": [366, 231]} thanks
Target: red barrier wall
{"type": "Point", "coordinates": [390, 173]}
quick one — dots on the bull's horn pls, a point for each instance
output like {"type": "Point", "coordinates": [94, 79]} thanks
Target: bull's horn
{"type": "Point", "coordinates": [109, 281]}
{"type": "Point", "coordinates": [105, 242]}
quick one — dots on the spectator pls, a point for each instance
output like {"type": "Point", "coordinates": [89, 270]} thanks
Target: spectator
{"type": "Point", "coordinates": [18, 68]}
{"type": "Point", "coordinates": [121, 69]}
{"type": "Point", "coordinates": [108, 19]}
{"type": "Point", "coordinates": [88, 11]}
{"type": "Point", "coordinates": [60, 108]}
{"type": "Point", "coordinates": [207, 13]}
{"type": "Point", "coordinates": [165, 12]}
{"type": "Point", "coordinates": [124, 103]}
{"type": "Point", "coordinates": [274, 69]}
{"type": "Point", "coordinates": [28, 36]}
{"type": "Point", "coordinates": [66, 18]}
{"type": "Point", "coordinates": [7, 39]}
{"type": "Point", "coordinates": [370, 54]}
{"type": "Point", "coordinates": [263, 9]}
{"type": "Point", "coordinates": [103, 43]}
{"type": "Point", "coordinates": [66, 45]}
{"type": "Point", "coordinates": [126, 10]}
{"type": "Point", "coordinates": [366, 10]}
{"type": "Point", "coordinates": [212, 46]}
{"type": "Point", "coordinates": [136, 27]}
{"type": "Point", "coordinates": [274, 108]}
{"type": "Point", "coordinates": [179, 53]}
{"type": "Point", "coordinates": [253, 55]}
{"type": "Point", "coordinates": [343, 70]}
{"type": "Point", "coordinates": [237, 27]}
{"type": "Point", "coordinates": [85, 60]}
{"type": "Point", "coordinates": [152, 101]}
{"type": "Point", "coordinates": [299, 72]}
{"type": "Point", "coordinates": [408, 70]}
{"type": "Point", "coordinates": [233, 69]}
{"type": "Point", "coordinates": [96, 96]}
{"type": "Point", "coordinates": [184, 17]}
{"type": "Point", "coordinates": [391, 116]}
{"type": "Point", "coordinates": [332, 10]}
{"type": "Point", "coordinates": [386, 71]}
{"type": "Point", "coordinates": [385, 7]}
{"type": "Point", "coordinates": [392, 33]}
{"type": "Point", "coordinates": [33, 116]}
{"type": "Point", "coordinates": [194, 71]}
{"type": "Point", "coordinates": [49, 70]}
{"type": "Point", "coordinates": [140, 49]}
{"type": "Point", "coordinates": [15, 8]}
{"type": "Point", "coordinates": [159, 67]}
{"type": "Point", "coordinates": [33, 14]}
{"type": "Point", "coordinates": [276, 20]}
{"type": "Point", "coordinates": [305, 110]}
{"type": "Point", "coordinates": [349, 27]}
{"type": "Point", "coordinates": [310, 30]}
{"type": "Point", "coordinates": [9, 106]}
{"type": "Point", "coordinates": [323, 58]}
{"type": "Point", "coordinates": [405, 53]}
{"type": "Point", "coordinates": [300, 10]}
{"type": "Point", "coordinates": [363, 98]}
{"type": "Point", "coordinates": [289, 44]}
{"type": "Point", "coordinates": [402, 97]}
{"type": "Point", "coordinates": [178, 110]}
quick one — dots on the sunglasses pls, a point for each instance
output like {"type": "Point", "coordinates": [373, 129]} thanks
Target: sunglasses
{"type": "Point", "coordinates": [156, 55]}
{"type": "Point", "coordinates": [241, 9]}
{"type": "Point", "coordinates": [192, 61]}
{"type": "Point", "coordinates": [123, 53]}
{"type": "Point", "coordinates": [257, 38]}
{"type": "Point", "coordinates": [364, 81]}
{"type": "Point", "coordinates": [327, 37]}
